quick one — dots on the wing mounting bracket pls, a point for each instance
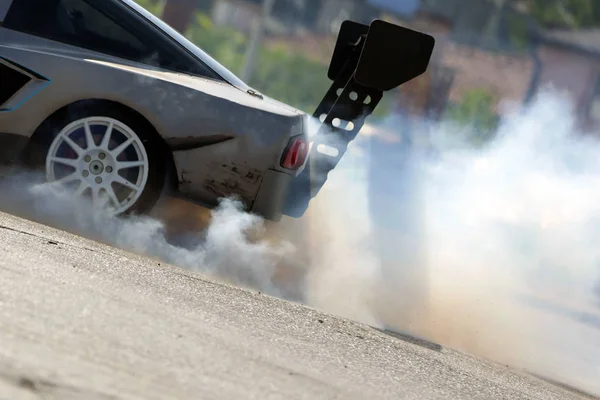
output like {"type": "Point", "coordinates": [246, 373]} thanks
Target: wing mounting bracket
{"type": "Point", "coordinates": [367, 61]}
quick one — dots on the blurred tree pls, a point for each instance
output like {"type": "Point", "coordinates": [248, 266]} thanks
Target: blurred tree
{"type": "Point", "coordinates": [513, 21]}
{"type": "Point", "coordinates": [280, 72]}
{"type": "Point", "coordinates": [256, 36]}
{"type": "Point", "coordinates": [565, 13]}
{"type": "Point", "coordinates": [226, 44]}
{"type": "Point", "coordinates": [154, 6]}
{"type": "Point", "coordinates": [179, 13]}
{"type": "Point", "coordinates": [475, 112]}
{"type": "Point", "coordinates": [291, 77]}
{"type": "Point", "coordinates": [491, 32]}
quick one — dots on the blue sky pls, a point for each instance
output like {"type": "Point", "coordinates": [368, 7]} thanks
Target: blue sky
{"type": "Point", "coordinates": [406, 7]}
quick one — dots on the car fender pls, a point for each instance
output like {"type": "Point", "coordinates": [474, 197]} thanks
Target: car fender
{"type": "Point", "coordinates": [194, 116]}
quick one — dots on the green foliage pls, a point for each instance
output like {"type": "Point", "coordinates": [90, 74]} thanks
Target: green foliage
{"type": "Point", "coordinates": [518, 31]}
{"type": "Point", "coordinates": [549, 14]}
{"type": "Point", "coordinates": [223, 43]}
{"type": "Point", "coordinates": [280, 72]}
{"type": "Point", "coordinates": [565, 13]}
{"type": "Point", "coordinates": [291, 77]}
{"type": "Point", "coordinates": [154, 6]}
{"type": "Point", "coordinates": [475, 112]}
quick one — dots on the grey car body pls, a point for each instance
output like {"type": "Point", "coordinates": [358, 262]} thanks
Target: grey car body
{"type": "Point", "coordinates": [216, 135]}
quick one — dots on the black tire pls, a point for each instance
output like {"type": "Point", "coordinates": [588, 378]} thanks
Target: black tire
{"type": "Point", "coordinates": [34, 155]}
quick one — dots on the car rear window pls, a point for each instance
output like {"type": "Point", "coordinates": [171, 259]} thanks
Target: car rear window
{"type": "Point", "coordinates": [79, 23]}
{"type": "Point", "coordinates": [105, 26]}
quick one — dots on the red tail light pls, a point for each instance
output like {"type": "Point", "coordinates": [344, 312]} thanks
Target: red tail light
{"type": "Point", "coordinates": [295, 154]}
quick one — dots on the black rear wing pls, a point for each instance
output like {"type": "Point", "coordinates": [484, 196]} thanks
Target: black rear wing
{"type": "Point", "coordinates": [367, 61]}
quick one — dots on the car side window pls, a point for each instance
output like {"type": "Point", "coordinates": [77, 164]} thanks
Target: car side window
{"type": "Point", "coordinates": [104, 26]}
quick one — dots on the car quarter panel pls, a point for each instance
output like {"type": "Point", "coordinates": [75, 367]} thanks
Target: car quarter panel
{"type": "Point", "coordinates": [223, 139]}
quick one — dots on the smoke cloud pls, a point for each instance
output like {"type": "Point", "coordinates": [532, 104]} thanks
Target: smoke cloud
{"type": "Point", "coordinates": [489, 249]}
{"type": "Point", "coordinates": [492, 250]}
{"type": "Point", "coordinates": [229, 248]}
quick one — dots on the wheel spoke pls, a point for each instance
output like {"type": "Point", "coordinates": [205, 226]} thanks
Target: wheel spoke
{"type": "Point", "coordinates": [73, 145]}
{"type": "Point", "coordinates": [88, 136]}
{"type": "Point", "coordinates": [95, 194]}
{"type": "Point", "coordinates": [82, 187]}
{"type": "Point", "coordinates": [129, 164]}
{"type": "Point", "coordinates": [104, 193]}
{"type": "Point", "coordinates": [103, 199]}
{"type": "Point", "coordinates": [112, 196]}
{"type": "Point", "coordinates": [122, 147]}
{"type": "Point", "coordinates": [119, 179]}
{"type": "Point", "coordinates": [107, 136]}
{"type": "Point", "coordinates": [65, 161]}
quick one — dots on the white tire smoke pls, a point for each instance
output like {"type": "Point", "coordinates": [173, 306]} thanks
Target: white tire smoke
{"type": "Point", "coordinates": [492, 250]}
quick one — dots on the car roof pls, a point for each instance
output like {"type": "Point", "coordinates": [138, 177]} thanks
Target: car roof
{"type": "Point", "coordinates": [213, 64]}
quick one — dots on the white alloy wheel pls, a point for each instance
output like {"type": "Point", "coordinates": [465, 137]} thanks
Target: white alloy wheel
{"type": "Point", "coordinates": [101, 157]}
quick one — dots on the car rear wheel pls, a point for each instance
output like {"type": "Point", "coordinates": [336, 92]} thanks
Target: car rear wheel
{"type": "Point", "coordinates": [107, 156]}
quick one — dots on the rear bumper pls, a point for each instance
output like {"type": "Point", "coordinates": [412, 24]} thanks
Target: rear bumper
{"type": "Point", "coordinates": [272, 195]}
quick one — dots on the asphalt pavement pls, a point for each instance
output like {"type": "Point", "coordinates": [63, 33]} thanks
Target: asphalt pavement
{"type": "Point", "coordinates": [82, 320]}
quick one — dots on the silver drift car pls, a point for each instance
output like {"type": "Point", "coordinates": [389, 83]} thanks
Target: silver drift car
{"type": "Point", "coordinates": [106, 99]}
